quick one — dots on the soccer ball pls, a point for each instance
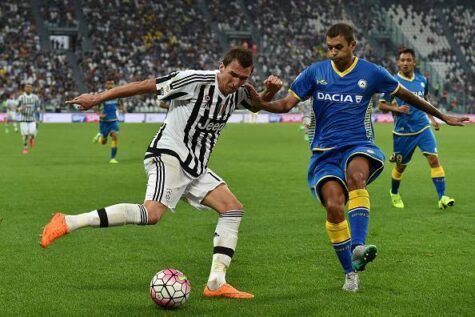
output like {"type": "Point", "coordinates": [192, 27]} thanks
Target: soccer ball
{"type": "Point", "coordinates": [170, 288]}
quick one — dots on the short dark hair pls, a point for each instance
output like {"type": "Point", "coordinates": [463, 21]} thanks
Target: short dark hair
{"type": "Point", "coordinates": [405, 50]}
{"type": "Point", "coordinates": [342, 29]}
{"type": "Point", "coordinates": [242, 55]}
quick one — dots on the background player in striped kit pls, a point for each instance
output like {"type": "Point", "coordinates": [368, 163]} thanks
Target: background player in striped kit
{"type": "Point", "coordinates": [109, 123]}
{"type": "Point", "coordinates": [412, 129]}
{"type": "Point", "coordinates": [176, 161]}
{"type": "Point", "coordinates": [11, 105]}
{"type": "Point", "coordinates": [28, 108]}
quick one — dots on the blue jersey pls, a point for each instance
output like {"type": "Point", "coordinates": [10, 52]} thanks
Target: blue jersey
{"type": "Point", "coordinates": [109, 109]}
{"type": "Point", "coordinates": [416, 120]}
{"type": "Point", "coordinates": [342, 100]}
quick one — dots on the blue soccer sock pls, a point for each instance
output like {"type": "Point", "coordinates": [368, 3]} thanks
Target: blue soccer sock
{"type": "Point", "coordinates": [113, 149]}
{"type": "Point", "coordinates": [358, 214]}
{"type": "Point", "coordinates": [396, 177]}
{"type": "Point", "coordinates": [339, 235]}
{"type": "Point", "coordinates": [438, 178]}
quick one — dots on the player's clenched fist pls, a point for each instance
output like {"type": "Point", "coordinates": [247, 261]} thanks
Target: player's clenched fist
{"type": "Point", "coordinates": [273, 83]}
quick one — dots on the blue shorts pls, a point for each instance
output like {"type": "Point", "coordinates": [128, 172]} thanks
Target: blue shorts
{"type": "Point", "coordinates": [106, 127]}
{"type": "Point", "coordinates": [404, 146]}
{"type": "Point", "coordinates": [332, 164]}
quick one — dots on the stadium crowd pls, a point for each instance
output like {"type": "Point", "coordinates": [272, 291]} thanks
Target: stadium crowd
{"type": "Point", "coordinates": [461, 20]}
{"type": "Point", "coordinates": [132, 40]}
{"type": "Point", "coordinates": [22, 61]}
{"type": "Point", "coordinates": [222, 10]}
{"type": "Point", "coordinates": [59, 13]}
{"type": "Point", "coordinates": [138, 39]}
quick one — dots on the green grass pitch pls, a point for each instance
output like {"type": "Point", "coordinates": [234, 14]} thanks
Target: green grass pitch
{"type": "Point", "coordinates": [425, 265]}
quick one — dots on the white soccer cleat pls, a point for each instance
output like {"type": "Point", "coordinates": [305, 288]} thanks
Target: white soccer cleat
{"type": "Point", "coordinates": [352, 282]}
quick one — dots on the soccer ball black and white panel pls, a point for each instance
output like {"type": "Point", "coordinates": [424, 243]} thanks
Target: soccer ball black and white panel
{"type": "Point", "coordinates": [170, 288]}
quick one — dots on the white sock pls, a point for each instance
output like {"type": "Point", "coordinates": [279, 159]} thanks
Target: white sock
{"type": "Point", "coordinates": [225, 240]}
{"type": "Point", "coordinates": [115, 215]}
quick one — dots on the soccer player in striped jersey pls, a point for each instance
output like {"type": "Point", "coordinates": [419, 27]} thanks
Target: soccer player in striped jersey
{"type": "Point", "coordinates": [176, 161]}
{"type": "Point", "coordinates": [412, 129]}
{"type": "Point", "coordinates": [11, 104]}
{"type": "Point", "coordinates": [28, 108]}
{"type": "Point", "coordinates": [345, 159]}
{"type": "Point", "coordinates": [109, 123]}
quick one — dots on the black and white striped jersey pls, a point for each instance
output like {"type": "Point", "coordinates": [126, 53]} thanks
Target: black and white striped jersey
{"type": "Point", "coordinates": [30, 104]}
{"type": "Point", "coordinates": [197, 113]}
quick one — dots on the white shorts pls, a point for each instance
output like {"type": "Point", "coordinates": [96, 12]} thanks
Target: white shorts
{"type": "Point", "coordinates": [28, 128]}
{"type": "Point", "coordinates": [11, 116]}
{"type": "Point", "coordinates": [167, 183]}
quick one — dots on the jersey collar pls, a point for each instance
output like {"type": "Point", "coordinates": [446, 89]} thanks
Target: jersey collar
{"type": "Point", "coordinates": [406, 78]}
{"type": "Point", "coordinates": [347, 71]}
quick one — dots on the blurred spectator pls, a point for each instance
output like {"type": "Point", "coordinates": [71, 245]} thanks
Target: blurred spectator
{"type": "Point", "coordinates": [58, 13]}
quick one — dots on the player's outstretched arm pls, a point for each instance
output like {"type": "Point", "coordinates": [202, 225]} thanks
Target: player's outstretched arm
{"type": "Point", "coordinates": [425, 106]}
{"type": "Point", "coordinates": [278, 106]}
{"type": "Point", "coordinates": [87, 101]}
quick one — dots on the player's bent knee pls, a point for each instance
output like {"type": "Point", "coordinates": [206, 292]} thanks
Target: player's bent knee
{"type": "Point", "coordinates": [335, 210]}
{"type": "Point", "coordinates": [433, 160]}
{"type": "Point", "coordinates": [334, 206]}
{"type": "Point", "coordinates": [155, 211]}
{"type": "Point", "coordinates": [356, 180]}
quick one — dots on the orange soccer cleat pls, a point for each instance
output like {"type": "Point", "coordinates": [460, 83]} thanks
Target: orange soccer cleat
{"type": "Point", "coordinates": [55, 229]}
{"type": "Point", "coordinates": [227, 291]}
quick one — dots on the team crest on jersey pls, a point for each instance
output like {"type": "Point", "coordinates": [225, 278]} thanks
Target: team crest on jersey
{"type": "Point", "coordinates": [358, 98]}
{"type": "Point", "coordinates": [362, 83]}
{"type": "Point", "coordinates": [165, 90]}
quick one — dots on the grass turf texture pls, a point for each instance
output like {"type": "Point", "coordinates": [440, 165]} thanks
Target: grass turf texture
{"type": "Point", "coordinates": [425, 263]}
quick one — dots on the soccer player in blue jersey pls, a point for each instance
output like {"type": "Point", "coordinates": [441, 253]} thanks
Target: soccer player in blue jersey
{"type": "Point", "coordinates": [412, 129]}
{"type": "Point", "coordinates": [109, 123]}
{"type": "Point", "coordinates": [345, 159]}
